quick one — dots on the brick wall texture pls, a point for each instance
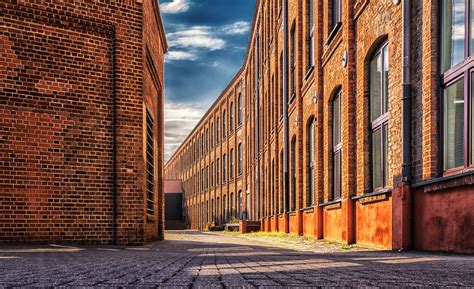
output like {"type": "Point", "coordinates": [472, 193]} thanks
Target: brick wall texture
{"type": "Point", "coordinates": [76, 78]}
{"type": "Point", "coordinates": [339, 63]}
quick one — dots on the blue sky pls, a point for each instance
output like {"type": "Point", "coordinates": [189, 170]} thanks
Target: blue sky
{"type": "Point", "coordinates": [207, 43]}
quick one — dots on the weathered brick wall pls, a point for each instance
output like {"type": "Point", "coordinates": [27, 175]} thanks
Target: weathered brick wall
{"type": "Point", "coordinates": [71, 128]}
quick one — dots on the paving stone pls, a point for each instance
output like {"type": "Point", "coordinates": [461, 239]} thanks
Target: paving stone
{"type": "Point", "coordinates": [204, 260]}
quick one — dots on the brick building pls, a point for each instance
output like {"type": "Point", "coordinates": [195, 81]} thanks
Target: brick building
{"type": "Point", "coordinates": [81, 121]}
{"type": "Point", "coordinates": [350, 120]}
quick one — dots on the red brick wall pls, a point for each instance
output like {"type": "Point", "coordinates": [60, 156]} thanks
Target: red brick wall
{"type": "Point", "coordinates": [383, 219]}
{"type": "Point", "coordinates": [71, 128]}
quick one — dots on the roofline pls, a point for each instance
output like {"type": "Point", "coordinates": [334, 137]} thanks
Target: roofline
{"type": "Point", "coordinates": [238, 74]}
{"type": "Point", "coordinates": [159, 20]}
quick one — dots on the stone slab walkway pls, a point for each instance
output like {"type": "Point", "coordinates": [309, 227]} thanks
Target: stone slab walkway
{"type": "Point", "coordinates": [204, 260]}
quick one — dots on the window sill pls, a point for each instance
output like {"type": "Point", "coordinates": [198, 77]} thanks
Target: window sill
{"type": "Point", "coordinates": [336, 204]}
{"type": "Point", "coordinates": [309, 72]}
{"type": "Point", "coordinates": [373, 197]}
{"type": "Point", "coordinates": [308, 210]}
{"type": "Point", "coordinates": [446, 182]}
{"type": "Point", "coordinates": [292, 213]}
{"type": "Point", "coordinates": [333, 33]}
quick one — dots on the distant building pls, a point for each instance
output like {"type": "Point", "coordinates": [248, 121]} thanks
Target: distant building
{"type": "Point", "coordinates": [350, 121]}
{"type": "Point", "coordinates": [81, 121]}
{"type": "Point", "coordinates": [174, 218]}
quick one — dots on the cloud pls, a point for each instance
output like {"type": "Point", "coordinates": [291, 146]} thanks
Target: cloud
{"type": "Point", "coordinates": [180, 119]}
{"type": "Point", "coordinates": [180, 55]}
{"type": "Point", "coordinates": [175, 6]}
{"type": "Point", "coordinates": [196, 37]}
{"type": "Point", "coordinates": [237, 28]}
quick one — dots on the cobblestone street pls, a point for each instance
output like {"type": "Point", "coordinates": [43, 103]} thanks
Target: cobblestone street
{"type": "Point", "coordinates": [194, 259]}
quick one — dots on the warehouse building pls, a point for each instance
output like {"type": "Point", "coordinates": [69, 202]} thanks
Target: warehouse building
{"type": "Point", "coordinates": [81, 121]}
{"type": "Point", "coordinates": [350, 121]}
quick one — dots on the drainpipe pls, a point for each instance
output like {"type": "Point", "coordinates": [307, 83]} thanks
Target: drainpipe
{"type": "Point", "coordinates": [285, 105]}
{"type": "Point", "coordinates": [405, 192]}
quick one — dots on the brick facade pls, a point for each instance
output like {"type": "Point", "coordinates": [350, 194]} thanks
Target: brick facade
{"type": "Point", "coordinates": [76, 80]}
{"type": "Point", "coordinates": [401, 214]}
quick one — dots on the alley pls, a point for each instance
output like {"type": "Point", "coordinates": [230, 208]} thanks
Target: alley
{"type": "Point", "coordinates": [194, 259]}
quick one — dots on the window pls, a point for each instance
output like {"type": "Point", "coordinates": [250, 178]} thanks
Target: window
{"type": "Point", "coordinates": [457, 49]}
{"type": "Point", "coordinates": [293, 174]}
{"type": "Point", "coordinates": [212, 135]}
{"type": "Point", "coordinates": [217, 129]}
{"type": "Point", "coordinates": [218, 174]}
{"type": "Point", "coordinates": [239, 166]}
{"type": "Point", "coordinates": [231, 204]}
{"type": "Point", "coordinates": [212, 175]}
{"type": "Point", "coordinates": [224, 124]}
{"type": "Point", "coordinates": [311, 163]}
{"type": "Point", "coordinates": [337, 146]}
{"type": "Point", "coordinates": [224, 168]}
{"type": "Point", "coordinates": [231, 122]}
{"type": "Point", "coordinates": [150, 162]}
{"type": "Point", "coordinates": [379, 117]}
{"type": "Point", "coordinates": [240, 205]}
{"type": "Point", "coordinates": [310, 34]}
{"type": "Point", "coordinates": [293, 63]}
{"type": "Point", "coordinates": [239, 115]}
{"type": "Point", "coordinates": [336, 7]}
{"type": "Point", "coordinates": [231, 159]}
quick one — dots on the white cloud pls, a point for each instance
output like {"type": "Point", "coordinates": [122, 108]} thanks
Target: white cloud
{"type": "Point", "coordinates": [196, 37]}
{"type": "Point", "coordinates": [175, 6]}
{"type": "Point", "coordinates": [180, 55]}
{"type": "Point", "coordinates": [180, 119]}
{"type": "Point", "coordinates": [239, 27]}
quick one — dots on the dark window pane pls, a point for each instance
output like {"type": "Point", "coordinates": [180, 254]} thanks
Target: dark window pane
{"type": "Point", "coordinates": [337, 120]}
{"type": "Point", "coordinates": [337, 175]}
{"type": "Point", "coordinates": [385, 154]}
{"type": "Point", "coordinates": [375, 85]}
{"type": "Point", "coordinates": [472, 118]}
{"type": "Point", "coordinates": [454, 125]}
{"type": "Point", "coordinates": [453, 32]}
{"type": "Point", "coordinates": [385, 79]}
{"type": "Point", "coordinates": [377, 172]}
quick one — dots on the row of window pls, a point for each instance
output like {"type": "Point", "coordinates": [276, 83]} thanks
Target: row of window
{"type": "Point", "coordinates": [217, 211]}
{"type": "Point", "coordinates": [211, 176]}
{"type": "Point", "coordinates": [211, 137]}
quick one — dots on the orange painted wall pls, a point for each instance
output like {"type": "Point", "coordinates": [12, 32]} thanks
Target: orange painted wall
{"type": "Point", "coordinates": [444, 220]}
{"type": "Point", "coordinates": [281, 224]}
{"type": "Point", "coordinates": [374, 223]}
{"type": "Point", "coordinates": [293, 224]}
{"type": "Point", "coordinates": [309, 223]}
{"type": "Point", "coordinates": [274, 224]}
{"type": "Point", "coordinates": [334, 224]}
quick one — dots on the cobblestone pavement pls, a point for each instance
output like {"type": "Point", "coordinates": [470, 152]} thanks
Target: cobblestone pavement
{"type": "Point", "coordinates": [194, 259]}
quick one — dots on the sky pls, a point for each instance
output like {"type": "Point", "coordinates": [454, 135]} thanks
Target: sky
{"type": "Point", "coordinates": [207, 42]}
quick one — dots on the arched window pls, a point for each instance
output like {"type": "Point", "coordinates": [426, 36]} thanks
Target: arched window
{"type": "Point", "coordinates": [310, 34]}
{"type": "Point", "coordinates": [311, 162]}
{"type": "Point", "coordinates": [379, 117]}
{"type": "Point", "coordinates": [293, 174]}
{"type": "Point", "coordinates": [217, 130]}
{"type": "Point", "coordinates": [336, 9]}
{"type": "Point", "coordinates": [231, 159]}
{"type": "Point", "coordinates": [337, 146]}
{"type": "Point", "coordinates": [240, 205]}
{"type": "Point", "coordinates": [224, 168]}
{"type": "Point", "coordinates": [231, 204]}
{"type": "Point", "coordinates": [231, 122]}
{"type": "Point", "coordinates": [457, 83]}
{"type": "Point", "coordinates": [239, 166]}
{"type": "Point", "coordinates": [224, 124]}
{"type": "Point", "coordinates": [239, 115]}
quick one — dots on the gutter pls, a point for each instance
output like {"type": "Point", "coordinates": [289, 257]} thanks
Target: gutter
{"type": "Point", "coordinates": [285, 106]}
{"type": "Point", "coordinates": [406, 93]}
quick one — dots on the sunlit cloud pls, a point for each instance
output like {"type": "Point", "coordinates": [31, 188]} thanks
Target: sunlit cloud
{"type": "Point", "coordinates": [180, 55]}
{"type": "Point", "coordinates": [239, 27]}
{"type": "Point", "coordinates": [175, 6]}
{"type": "Point", "coordinates": [196, 37]}
{"type": "Point", "coordinates": [180, 119]}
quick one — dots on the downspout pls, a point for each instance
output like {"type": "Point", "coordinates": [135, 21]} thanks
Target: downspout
{"type": "Point", "coordinates": [285, 106]}
{"type": "Point", "coordinates": [405, 193]}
